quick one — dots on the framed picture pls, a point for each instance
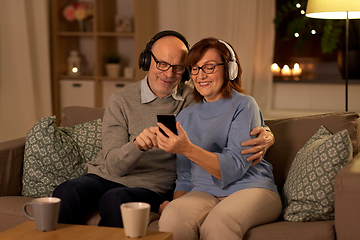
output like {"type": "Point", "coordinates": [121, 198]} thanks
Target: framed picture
{"type": "Point", "coordinates": [123, 24]}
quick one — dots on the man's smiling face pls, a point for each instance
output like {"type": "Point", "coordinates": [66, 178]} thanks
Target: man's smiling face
{"type": "Point", "coordinates": [168, 49]}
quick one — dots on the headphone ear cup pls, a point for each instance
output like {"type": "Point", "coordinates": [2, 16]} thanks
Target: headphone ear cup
{"type": "Point", "coordinates": [141, 59]}
{"type": "Point", "coordinates": [233, 70]}
{"type": "Point", "coordinates": [145, 60]}
{"type": "Point", "coordinates": [185, 76]}
{"type": "Point", "coordinates": [233, 67]}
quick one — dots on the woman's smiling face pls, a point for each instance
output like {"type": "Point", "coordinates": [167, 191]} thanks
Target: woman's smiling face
{"type": "Point", "coordinates": [210, 85]}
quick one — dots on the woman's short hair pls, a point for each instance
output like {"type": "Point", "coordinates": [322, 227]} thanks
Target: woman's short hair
{"type": "Point", "coordinates": [198, 51]}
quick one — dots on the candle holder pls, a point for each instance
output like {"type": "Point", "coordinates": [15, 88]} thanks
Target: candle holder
{"type": "Point", "coordinates": [74, 63]}
{"type": "Point", "coordinates": [275, 69]}
{"type": "Point", "coordinates": [286, 71]}
{"type": "Point", "coordinates": [296, 71]}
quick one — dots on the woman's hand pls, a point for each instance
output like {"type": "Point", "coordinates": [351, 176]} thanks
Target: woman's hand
{"type": "Point", "coordinates": [177, 194]}
{"type": "Point", "coordinates": [162, 207]}
{"type": "Point", "coordinates": [176, 144]}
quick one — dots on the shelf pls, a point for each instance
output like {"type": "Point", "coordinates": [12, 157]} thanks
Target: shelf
{"type": "Point", "coordinates": [91, 78]}
{"type": "Point", "coordinates": [93, 46]}
{"type": "Point", "coordinates": [73, 77]}
{"type": "Point", "coordinates": [76, 34]}
{"type": "Point", "coordinates": [116, 79]}
{"type": "Point", "coordinates": [115, 34]}
{"type": "Point", "coordinates": [100, 34]}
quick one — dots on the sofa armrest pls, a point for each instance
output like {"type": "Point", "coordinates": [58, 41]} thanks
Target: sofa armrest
{"type": "Point", "coordinates": [347, 201]}
{"type": "Point", "coordinates": [11, 166]}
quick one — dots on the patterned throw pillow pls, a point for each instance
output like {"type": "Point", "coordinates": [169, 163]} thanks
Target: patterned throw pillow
{"type": "Point", "coordinates": [308, 193]}
{"type": "Point", "coordinates": [88, 138]}
{"type": "Point", "coordinates": [56, 154]}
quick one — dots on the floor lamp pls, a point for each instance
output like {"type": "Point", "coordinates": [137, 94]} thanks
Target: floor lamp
{"type": "Point", "coordinates": [336, 9]}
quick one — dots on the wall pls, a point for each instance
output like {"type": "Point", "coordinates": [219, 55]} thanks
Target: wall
{"type": "Point", "coordinates": [25, 86]}
{"type": "Point", "coordinates": [299, 98]}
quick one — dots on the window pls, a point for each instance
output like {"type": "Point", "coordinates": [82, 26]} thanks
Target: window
{"type": "Point", "coordinates": [312, 43]}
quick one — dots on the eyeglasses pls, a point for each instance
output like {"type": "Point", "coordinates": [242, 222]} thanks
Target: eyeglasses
{"type": "Point", "coordinates": [164, 66]}
{"type": "Point", "coordinates": [206, 68]}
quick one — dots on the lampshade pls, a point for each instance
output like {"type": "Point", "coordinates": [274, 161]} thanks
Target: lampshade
{"type": "Point", "coordinates": [333, 9]}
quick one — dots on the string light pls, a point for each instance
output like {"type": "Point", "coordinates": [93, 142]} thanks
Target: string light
{"type": "Point", "coordinates": [298, 5]}
{"type": "Point", "coordinates": [296, 35]}
{"type": "Point", "coordinates": [313, 31]}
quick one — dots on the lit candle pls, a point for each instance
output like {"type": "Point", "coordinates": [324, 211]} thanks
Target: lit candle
{"type": "Point", "coordinates": [275, 69]}
{"type": "Point", "coordinates": [296, 71]}
{"type": "Point", "coordinates": [285, 71]}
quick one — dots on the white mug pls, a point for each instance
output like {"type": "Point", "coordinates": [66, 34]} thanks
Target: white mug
{"type": "Point", "coordinates": [135, 216]}
{"type": "Point", "coordinates": [46, 212]}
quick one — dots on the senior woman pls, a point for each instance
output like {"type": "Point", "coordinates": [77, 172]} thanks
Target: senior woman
{"type": "Point", "coordinates": [218, 194]}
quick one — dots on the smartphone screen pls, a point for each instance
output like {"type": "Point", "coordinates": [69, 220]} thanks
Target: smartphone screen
{"type": "Point", "coordinates": [169, 121]}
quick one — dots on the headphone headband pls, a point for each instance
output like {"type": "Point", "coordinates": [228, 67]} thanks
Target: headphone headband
{"type": "Point", "coordinates": [166, 33]}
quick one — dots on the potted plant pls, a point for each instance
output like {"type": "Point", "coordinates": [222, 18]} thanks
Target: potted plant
{"type": "Point", "coordinates": [113, 64]}
{"type": "Point", "coordinates": [290, 17]}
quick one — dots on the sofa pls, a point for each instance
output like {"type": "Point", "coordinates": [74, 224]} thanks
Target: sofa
{"type": "Point", "coordinates": [290, 134]}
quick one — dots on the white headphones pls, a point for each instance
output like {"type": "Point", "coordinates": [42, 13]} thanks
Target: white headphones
{"type": "Point", "coordinates": [233, 67]}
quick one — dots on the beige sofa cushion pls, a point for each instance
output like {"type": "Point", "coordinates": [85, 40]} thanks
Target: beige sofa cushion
{"type": "Point", "coordinates": [76, 115]}
{"type": "Point", "coordinates": [321, 230]}
{"type": "Point", "coordinates": [11, 165]}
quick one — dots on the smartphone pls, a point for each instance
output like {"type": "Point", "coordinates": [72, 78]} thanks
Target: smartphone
{"type": "Point", "coordinates": [169, 121]}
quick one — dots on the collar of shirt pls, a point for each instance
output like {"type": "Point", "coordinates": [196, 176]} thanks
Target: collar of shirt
{"type": "Point", "coordinates": [147, 95]}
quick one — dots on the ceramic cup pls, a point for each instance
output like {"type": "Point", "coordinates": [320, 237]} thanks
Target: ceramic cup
{"type": "Point", "coordinates": [135, 216]}
{"type": "Point", "coordinates": [45, 212]}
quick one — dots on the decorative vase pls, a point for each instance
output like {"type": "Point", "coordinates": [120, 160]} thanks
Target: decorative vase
{"type": "Point", "coordinates": [113, 69]}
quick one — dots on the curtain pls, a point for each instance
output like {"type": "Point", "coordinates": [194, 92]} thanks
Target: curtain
{"type": "Point", "coordinates": [246, 24]}
{"type": "Point", "coordinates": [25, 85]}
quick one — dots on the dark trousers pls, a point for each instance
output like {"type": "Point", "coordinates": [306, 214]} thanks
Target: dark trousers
{"type": "Point", "coordinates": [83, 195]}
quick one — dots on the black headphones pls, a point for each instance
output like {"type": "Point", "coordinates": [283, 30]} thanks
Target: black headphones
{"type": "Point", "coordinates": [145, 55]}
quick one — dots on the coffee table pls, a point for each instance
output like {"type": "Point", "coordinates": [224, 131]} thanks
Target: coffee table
{"type": "Point", "coordinates": [27, 230]}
